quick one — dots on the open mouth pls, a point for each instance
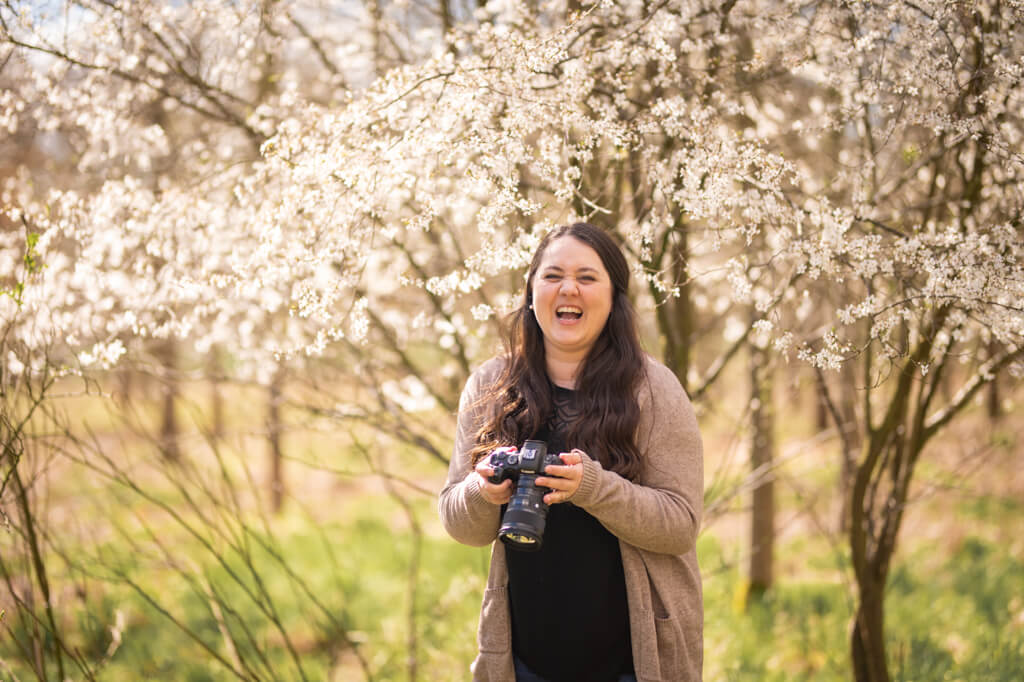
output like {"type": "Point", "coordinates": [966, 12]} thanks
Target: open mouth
{"type": "Point", "coordinates": [568, 312]}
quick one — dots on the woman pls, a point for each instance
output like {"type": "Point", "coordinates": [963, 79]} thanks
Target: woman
{"type": "Point", "coordinates": [614, 593]}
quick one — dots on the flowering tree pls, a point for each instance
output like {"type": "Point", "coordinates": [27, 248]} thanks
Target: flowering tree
{"type": "Point", "coordinates": [134, 123]}
{"type": "Point", "coordinates": [241, 188]}
{"type": "Point", "coordinates": [925, 103]}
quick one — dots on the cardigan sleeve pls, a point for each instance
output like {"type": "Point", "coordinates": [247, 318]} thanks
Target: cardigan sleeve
{"type": "Point", "coordinates": [465, 514]}
{"type": "Point", "coordinates": [661, 511]}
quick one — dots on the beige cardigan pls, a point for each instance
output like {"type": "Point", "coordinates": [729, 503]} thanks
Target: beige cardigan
{"type": "Point", "coordinates": [656, 520]}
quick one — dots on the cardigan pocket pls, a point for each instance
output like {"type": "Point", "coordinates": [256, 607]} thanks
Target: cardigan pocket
{"type": "Point", "coordinates": [670, 640]}
{"type": "Point", "coordinates": [645, 647]}
{"type": "Point", "coordinates": [495, 632]}
{"type": "Point", "coordinates": [661, 640]}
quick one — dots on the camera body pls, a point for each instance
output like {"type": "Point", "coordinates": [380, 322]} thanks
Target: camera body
{"type": "Point", "coordinates": [512, 463]}
{"type": "Point", "coordinates": [522, 525]}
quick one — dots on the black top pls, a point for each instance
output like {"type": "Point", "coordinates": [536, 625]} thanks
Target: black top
{"type": "Point", "coordinates": [570, 617]}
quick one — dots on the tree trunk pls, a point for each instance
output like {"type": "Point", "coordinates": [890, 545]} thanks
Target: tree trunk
{"type": "Point", "coordinates": [126, 383]}
{"type": "Point", "coordinates": [274, 436]}
{"type": "Point", "coordinates": [445, 10]}
{"type": "Point", "coordinates": [821, 406]}
{"type": "Point", "coordinates": [169, 429]}
{"type": "Point", "coordinates": [30, 524]}
{"type": "Point", "coordinates": [213, 375]}
{"type": "Point", "coordinates": [850, 437]}
{"type": "Point", "coordinates": [995, 410]}
{"type": "Point", "coordinates": [993, 400]}
{"type": "Point", "coordinates": [675, 315]}
{"type": "Point", "coordinates": [867, 641]}
{"type": "Point", "coordinates": [877, 500]}
{"type": "Point", "coordinates": [683, 308]}
{"type": "Point", "coordinates": [762, 455]}
{"type": "Point", "coordinates": [377, 31]}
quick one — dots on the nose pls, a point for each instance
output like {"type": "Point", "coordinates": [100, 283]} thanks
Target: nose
{"type": "Point", "coordinates": [569, 285]}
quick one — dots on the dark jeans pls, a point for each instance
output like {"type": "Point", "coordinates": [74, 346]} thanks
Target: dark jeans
{"type": "Point", "coordinates": [524, 674]}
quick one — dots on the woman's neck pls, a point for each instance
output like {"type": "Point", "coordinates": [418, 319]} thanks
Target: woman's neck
{"type": "Point", "coordinates": [562, 369]}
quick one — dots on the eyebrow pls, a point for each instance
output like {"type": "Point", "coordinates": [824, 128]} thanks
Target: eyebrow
{"type": "Point", "coordinates": [585, 268]}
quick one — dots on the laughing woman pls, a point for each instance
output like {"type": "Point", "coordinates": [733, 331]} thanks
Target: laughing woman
{"type": "Point", "coordinates": [614, 592]}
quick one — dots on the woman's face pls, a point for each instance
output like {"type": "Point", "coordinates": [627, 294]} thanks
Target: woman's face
{"type": "Point", "coordinates": [572, 296]}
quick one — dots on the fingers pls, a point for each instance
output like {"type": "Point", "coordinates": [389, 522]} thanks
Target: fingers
{"type": "Point", "coordinates": [563, 471]}
{"type": "Point", "coordinates": [483, 469]}
{"type": "Point", "coordinates": [495, 493]}
{"type": "Point", "coordinates": [574, 457]}
{"type": "Point", "coordinates": [571, 470]}
{"type": "Point", "coordinates": [557, 496]}
{"type": "Point", "coordinates": [563, 479]}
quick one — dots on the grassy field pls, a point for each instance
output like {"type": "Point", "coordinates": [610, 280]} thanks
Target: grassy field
{"type": "Point", "coordinates": [178, 573]}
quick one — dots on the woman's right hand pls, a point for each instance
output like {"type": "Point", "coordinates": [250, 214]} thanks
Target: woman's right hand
{"type": "Point", "coordinates": [495, 493]}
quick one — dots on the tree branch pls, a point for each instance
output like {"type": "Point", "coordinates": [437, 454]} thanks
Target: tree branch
{"type": "Point", "coordinates": [981, 377]}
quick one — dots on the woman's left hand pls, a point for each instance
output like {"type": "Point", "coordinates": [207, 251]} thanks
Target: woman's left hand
{"type": "Point", "coordinates": [564, 480]}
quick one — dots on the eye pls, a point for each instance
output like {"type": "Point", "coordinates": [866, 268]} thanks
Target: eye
{"type": "Point", "coordinates": [588, 278]}
{"type": "Point", "coordinates": [552, 277]}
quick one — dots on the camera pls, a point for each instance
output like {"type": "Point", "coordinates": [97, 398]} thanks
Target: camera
{"type": "Point", "coordinates": [522, 525]}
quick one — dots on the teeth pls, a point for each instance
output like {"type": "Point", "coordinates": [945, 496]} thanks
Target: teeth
{"type": "Point", "coordinates": [569, 309]}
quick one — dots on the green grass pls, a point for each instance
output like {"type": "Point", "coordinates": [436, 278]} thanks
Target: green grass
{"type": "Point", "coordinates": [959, 619]}
{"type": "Point", "coordinates": [352, 574]}
{"type": "Point", "coordinates": [338, 564]}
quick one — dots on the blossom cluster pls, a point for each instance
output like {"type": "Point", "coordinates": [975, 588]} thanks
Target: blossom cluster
{"type": "Point", "coordinates": [235, 181]}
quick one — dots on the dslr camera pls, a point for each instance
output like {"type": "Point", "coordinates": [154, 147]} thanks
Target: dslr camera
{"type": "Point", "coordinates": [522, 525]}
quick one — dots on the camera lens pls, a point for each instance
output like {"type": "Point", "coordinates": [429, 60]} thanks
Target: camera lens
{"type": "Point", "coordinates": [522, 525]}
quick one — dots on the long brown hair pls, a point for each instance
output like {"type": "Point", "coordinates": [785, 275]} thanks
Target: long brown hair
{"type": "Point", "coordinates": [521, 399]}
